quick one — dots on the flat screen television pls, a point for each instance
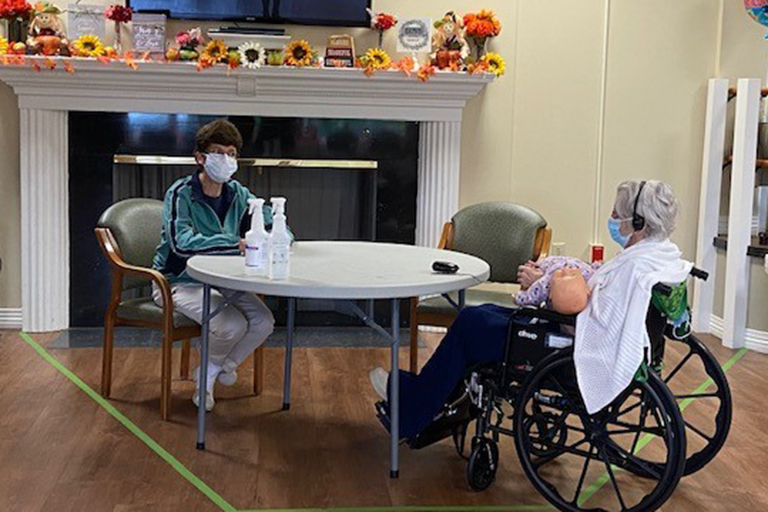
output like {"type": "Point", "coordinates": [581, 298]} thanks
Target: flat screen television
{"type": "Point", "coordinates": [347, 13]}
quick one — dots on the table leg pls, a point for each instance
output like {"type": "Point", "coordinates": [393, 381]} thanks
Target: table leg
{"type": "Point", "coordinates": [289, 352]}
{"type": "Point", "coordinates": [394, 406]}
{"type": "Point", "coordinates": [462, 299]}
{"type": "Point", "coordinates": [203, 376]}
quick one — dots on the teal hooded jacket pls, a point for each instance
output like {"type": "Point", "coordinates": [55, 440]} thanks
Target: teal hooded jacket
{"type": "Point", "coordinates": [191, 226]}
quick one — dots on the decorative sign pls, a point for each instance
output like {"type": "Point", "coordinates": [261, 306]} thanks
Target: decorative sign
{"type": "Point", "coordinates": [85, 20]}
{"type": "Point", "coordinates": [149, 33]}
{"type": "Point", "coordinates": [340, 52]}
{"type": "Point", "coordinates": [415, 36]}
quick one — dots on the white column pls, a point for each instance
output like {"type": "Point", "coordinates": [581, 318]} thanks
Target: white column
{"type": "Point", "coordinates": [740, 214]}
{"type": "Point", "coordinates": [709, 201]}
{"type": "Point", "coordinates": [438, 189]}
{"type": "Point", "coordinates": [44, 220]}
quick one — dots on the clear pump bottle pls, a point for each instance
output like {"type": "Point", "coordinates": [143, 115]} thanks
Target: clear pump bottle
{"type": "Point", "coordinates": [256, 241]}
{"type": "Point", "coordinates": [279, 242]}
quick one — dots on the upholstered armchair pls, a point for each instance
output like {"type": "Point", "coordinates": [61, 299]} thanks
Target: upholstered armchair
{"type": "Point", "coordinates": [506, 235]}
{"type": "Point", "coordinates": [128, 233]}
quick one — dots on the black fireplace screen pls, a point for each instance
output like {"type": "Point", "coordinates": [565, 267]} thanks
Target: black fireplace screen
{"type": "Point", "coordinates": [338, 201]}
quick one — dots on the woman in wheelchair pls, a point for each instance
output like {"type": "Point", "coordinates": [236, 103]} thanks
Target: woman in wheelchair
{"type": "Point", "coordinates": [610, 333]}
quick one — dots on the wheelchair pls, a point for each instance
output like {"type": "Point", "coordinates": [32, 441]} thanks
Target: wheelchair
{"type": "Point", "coordinates": [629, 456]}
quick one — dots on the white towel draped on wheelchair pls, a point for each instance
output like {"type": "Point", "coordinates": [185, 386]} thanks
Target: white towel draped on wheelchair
{"type": "Point", "coordinates": [611, 337]}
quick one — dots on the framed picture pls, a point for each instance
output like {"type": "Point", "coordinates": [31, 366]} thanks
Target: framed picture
{"type": "Point", "coordinates": [85, 20]}
{"type": "Point", "coordinates": [415, 36]}
{"type": "Point", "coordinates": [149, 33]}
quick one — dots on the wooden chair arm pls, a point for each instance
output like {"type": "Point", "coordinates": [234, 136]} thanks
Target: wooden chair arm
{"type": "Point", "coordinates": [446, 238]}
{"type": "Point", "coordinates": [542, 244]}
{"type": "Point", "coordinates": [111, 250]}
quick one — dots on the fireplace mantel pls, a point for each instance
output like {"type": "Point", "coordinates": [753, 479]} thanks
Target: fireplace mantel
{"type": "Point", "coordinates": [46, 96]}
{"type": "Point", "coordinates": [269, 91]}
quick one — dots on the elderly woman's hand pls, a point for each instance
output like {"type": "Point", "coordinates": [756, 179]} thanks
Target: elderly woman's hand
{"type": "Point", "coordinates": [528, 274]}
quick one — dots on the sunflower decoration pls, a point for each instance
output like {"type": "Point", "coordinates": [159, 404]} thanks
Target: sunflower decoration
{"type": "Point", "coordinates": [378, 58]}
{"type": "Point", "coordinates": [88, 46]}
{"type": "Point", "coordinates": [494, 63]}
{"type": "Point", "coordinates": [3, 46]}
{"type": "Point", "coordinates": [298, 54]}
{"type": "Point", "coordinates": [214, 52]}
{"type": "Point", "coordinates": [252, 55]}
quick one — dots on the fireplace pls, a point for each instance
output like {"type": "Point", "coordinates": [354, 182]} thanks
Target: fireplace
{"type": "Point", "coordinates": [344, 180]}
{"type": "Point", "coordinates": [46, 99]}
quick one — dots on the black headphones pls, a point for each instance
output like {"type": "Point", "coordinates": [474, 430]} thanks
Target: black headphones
{"type": "Point", "coordinates": [638, 221]}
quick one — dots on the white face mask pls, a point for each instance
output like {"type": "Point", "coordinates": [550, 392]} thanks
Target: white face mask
{"type": "Point", "coordinates": [220, 168]}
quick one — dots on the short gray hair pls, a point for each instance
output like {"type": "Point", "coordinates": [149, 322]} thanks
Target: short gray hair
{"type": "Point", "coordinates": [657, 204]}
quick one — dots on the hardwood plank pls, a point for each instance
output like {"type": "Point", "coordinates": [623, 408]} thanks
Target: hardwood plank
{"type": "Point", "coordinates": [327, 451]}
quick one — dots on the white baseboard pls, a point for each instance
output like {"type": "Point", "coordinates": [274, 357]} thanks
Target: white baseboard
{"type": "Point", "coordinates": [753, 339]}
{"type": "Point", "coordinates": [10, 318]}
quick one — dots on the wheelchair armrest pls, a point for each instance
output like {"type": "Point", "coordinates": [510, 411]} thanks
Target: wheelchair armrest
{"type": "Point", "coordinates": [546, 314]}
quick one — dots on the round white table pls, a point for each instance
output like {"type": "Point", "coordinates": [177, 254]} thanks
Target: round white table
{"type": "Point", "coordinates": [344, 271]}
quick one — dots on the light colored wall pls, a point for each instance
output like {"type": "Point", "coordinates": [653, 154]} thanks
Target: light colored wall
{"type": "Point", "coordinates": [661, 54]}
{"type": "Point", "coordinates": [744, 51]}
{"type": "Point", "coordinates": [534, 136]}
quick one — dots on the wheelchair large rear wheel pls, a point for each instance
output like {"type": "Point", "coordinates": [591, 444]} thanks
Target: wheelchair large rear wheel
{"type": "Point", "coordinates": [699, 385]}
{"type": "Point", "coordinates": [595, 469]}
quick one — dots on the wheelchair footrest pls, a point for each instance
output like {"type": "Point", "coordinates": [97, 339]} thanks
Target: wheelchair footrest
{"type": "Point", "coordinates": [446, 425]}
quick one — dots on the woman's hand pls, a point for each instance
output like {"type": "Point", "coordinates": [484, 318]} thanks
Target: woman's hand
{"type": "Point", "coordinates": [242, 246]}
{"type": "Point", "coordinates": [528, 274]}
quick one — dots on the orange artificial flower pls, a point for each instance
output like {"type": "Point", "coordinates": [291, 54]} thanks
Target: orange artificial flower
{"type": "Point", "coordinates": [482, 25]}
{"type": "Point", "coordinates": [425, 72]}
{"type": "Point", "coordinates": [405, 65]}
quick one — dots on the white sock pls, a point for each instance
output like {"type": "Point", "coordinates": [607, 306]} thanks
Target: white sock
{"type": "Point", "coordinates": [213, 372]}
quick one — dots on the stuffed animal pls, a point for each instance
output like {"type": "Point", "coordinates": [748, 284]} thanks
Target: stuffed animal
{"type": "Point", "coordinates": [449, 46]}
{"type": "Point", "coordinates": [46, 35]}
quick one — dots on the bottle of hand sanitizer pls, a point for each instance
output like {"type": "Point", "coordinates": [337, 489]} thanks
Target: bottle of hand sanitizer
{"type": "Point", "coordinates": [279, 242]}
{"type": "Point", "coordinates": [256, 241]}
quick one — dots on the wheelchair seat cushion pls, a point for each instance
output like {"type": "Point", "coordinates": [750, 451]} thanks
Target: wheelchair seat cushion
{"type": "Point", "coordinates": [439, 306]}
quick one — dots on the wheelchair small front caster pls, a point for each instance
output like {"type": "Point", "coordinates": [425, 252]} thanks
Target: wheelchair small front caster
{"type": "Point", "coordinates": [483, 463]}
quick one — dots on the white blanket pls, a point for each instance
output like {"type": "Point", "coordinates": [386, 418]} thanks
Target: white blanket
{"type": "Point", "coordinates": [610, 333]}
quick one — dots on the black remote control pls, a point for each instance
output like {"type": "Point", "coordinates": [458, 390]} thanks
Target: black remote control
{"type": "Point", "coordinates": [445, 267]}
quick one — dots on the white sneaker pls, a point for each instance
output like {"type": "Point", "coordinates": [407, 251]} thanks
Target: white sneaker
{"type": "Point", "coordinates": [209, 401]}
{"type": "Point", "coordinates": [213, 373]}
{"type": "Point", "coordinates": [379, 378]}
{"type": "Point", "coordinates": [228, 375]}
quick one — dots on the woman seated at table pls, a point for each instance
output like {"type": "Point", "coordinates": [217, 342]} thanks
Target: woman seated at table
{"type": "Point", "coordinates": [610, 333]}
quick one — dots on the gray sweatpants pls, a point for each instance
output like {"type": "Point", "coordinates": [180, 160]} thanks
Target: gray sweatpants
{"type": "Point", "coordinates": [238, 330]}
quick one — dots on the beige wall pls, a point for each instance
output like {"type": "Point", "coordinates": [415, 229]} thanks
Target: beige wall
{"type": "Point", "coordinates": [744, 52]}
{"type": "Point", "coordinates": [534, 136]}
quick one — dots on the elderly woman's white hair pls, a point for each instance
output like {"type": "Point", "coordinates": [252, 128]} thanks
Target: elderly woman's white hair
{"type": "Point", "coordinates": [657, 204]}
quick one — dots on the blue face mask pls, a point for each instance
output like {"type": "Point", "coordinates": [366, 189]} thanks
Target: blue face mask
{"type": "Point", "coordinates": [614, 228]}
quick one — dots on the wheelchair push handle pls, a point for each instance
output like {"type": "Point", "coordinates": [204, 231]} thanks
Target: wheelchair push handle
{"type": "Point", "coordinates": [665, 289]}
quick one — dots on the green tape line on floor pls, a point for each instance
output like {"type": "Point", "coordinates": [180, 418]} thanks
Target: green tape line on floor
{"type": "Point", "coordinates": [212, 495]}
{"type": "Point", "coordinates": [132, 427]}
{"type": "Point", "coordinates": [647, 438]}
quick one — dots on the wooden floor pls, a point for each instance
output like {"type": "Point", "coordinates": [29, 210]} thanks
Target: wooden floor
{"type": "Point", "coordinates": [61, 451]}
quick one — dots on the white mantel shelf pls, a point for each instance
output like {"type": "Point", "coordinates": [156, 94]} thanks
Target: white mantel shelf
{"type": "Point", "coordinates": [47, 96]}
{"type": "Point", "coordinates": [270, 91]}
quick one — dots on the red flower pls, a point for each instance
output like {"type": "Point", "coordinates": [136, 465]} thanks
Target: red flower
{"type": "Point", "coordinates": [383, 21]}
{"type": "Point", "coordinates": [119, 13]}
{"type": "Point", "coordinates": [183, 38]}
{"type": "Point", "coordinates": [12, 9]}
